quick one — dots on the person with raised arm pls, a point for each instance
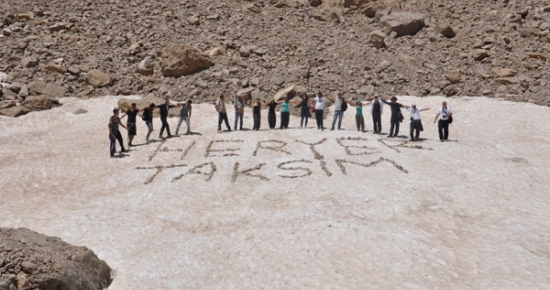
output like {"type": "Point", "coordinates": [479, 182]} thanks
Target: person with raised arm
{"type": "Point", "coordinates": [114, 133]}
{"type": "Point", "coordinates": [319, 103]}
{"type": "Point", "coordinates": [340, 104]}
{"type": "Point", "coordinates": [305, 109]}
{"type": "Point", "coordinates": [416, 123]}
{"type": "Point", "coordinates": [256, 115]}
{"type": "Point", "coordinates": [163, 109]}
{"type": "Point", "coordinates": [185, 116]}
{"type": "Point", "coordinates": [239, 111]}
{"type": "Point", "coordinates": [376, 110]}
{"type": "Point", "coordinates": [396, 116]}
{"type": "Point", "coordinates": [285, 112]}
{"type": "Point", "coordinates": [359, 119]}
{"type": "Point", "coordinates": [445, 116]}
{"type": "Point", "coordinates": [131, 123]}
{"type": "Point", "coordinates": [222, 112]}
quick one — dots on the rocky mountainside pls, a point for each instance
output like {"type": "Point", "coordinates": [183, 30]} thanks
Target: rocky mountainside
{"type": "Point", "coordinates": [83, 48]}
{"type": "Point", "coordinates": [29, 260]}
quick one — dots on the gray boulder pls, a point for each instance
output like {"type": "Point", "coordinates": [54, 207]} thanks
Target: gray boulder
{"type": "Point", "coordinates": [180, 59]}
{"type": "Point", "coordinates": [402, 23]}
{"type": "Point", "coordinates": [48, 89]}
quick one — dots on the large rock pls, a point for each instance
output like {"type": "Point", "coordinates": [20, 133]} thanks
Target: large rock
{"type": "Point", "coordinates": [14, 111]}
{"type": "Point", "coordinates": [480, 54]}
{"type": "Point", "coordinates": [503, 72]}
{"type": "Point", "coordinates": [282, 93]}
{"type": "Point", "coordinates": [146, 67]}
{"type": "Point", "coordinates": [454, 76]}
{"type": "Point", "coordinates": [180, 59]}
{"type": "Point", "coordinates": [326, 13]}
{"type": "Point", "coordinates": [98, 78]}
{"type": "Point", "coordinates": [377, 38]}
{"type": "Point", "coordinates": [48, 263]}
{"type": "Point", "coordinates": [37, 103]}
{"type": "Point", "coordinates": [402, 23]}
{"type": "Point", "coordinates": [447, 31]}
{"type": "Point", "coordinates": [29, 62]}
{"type": "Point", "coordinates": [48, 89]}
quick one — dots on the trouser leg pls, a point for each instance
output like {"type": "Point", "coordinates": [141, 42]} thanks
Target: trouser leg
{"type": "Point", "coordinates": [220, 120]}
{"type": "Point", "coordinates": [179, 124]}
{"type": "Point", "coordinates": [377, 123]}
{"type": "Point", "coordinates": [392, 127]}
{"type": "Point", "coordinates": [186, 119]}
{"type": "Point", "coordinates": [120, 141]}
{"type": "Point", "coordinates": [440, 129]}
{"type": "Point", "coordinates": [362, 119]}
{"type": "Point", "coordinates": [340, 117]}
{"type": "Point", "coordinates": [307, 118]}
{"type": "Point", "coordinates": [112, 146]}
{"type": "Point", "coordinates": [226, 121]}
{"type": "Point", "coordinates": [236, 119]}
{"type": "Point", "coordinates": [302, 121]}
{"type": "Point", "coordinates": [357, 124]}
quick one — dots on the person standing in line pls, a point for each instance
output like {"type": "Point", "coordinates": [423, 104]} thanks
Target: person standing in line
{"type": "Point", "coordinates": [239, 111]}
{"type": "Point", "coordinates": [396, 116]}
{"type": "Point", "coordinates": [222, 112]}
{"type": "Point", "coordinates": [114, 133]}
{"type": "Point", "coordinates": [285, 113]}
{"type": "Point", "coordinates": [131, 123]}
{"type": "Point", "coordinates": [163, 117]}
{"type": "Point", "coordinates": [305, 109]}
{"type": "Point", "coordinates": [148, 118]}
{"type": "Point", "coordinates": [319, 103]}
{"type": "Point", "coordinates": [256, 115]}
{"type": "Point", "coordinates": [359, 119]}
{"type": "Point", "coordinates": [376, 111]}
{"type": "Point", "coordinates": [338, 112]}
{"type": "Point", "coordinates": [185, 115]}
{"type": "Point", "coordinates": [445, 116]}
{"type": "Point", "coordinates": [271, 115]}
{"type": "Point", "coordinates": [416, 123]}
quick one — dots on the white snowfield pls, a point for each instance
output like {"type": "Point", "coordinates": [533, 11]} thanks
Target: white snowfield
{"type": "Point", "coordinates": [262, 210]}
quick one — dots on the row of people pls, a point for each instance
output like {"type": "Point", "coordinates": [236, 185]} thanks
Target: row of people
{"type": "Point", "coordinates": [317, 105]}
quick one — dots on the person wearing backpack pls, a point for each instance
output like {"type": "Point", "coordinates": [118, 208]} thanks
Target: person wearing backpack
{"type": "Point", "coordinates": [147, 116]}
{"type": "Point", "coordinates": [222, 112]}
{"type": "Point", "coordinates": [445, 116]}
{"type": "Point", "coordinates": [340, 106]}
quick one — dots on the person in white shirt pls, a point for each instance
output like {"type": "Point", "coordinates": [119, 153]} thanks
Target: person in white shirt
{"type": "Point", "coordinates": [416, 123]}
{"type": "Point", "coordinates": [338, 109]}
{"type": "Point", "coordinates": [445, 116]}
{"type": "Point", "coordinates": [319, 103]}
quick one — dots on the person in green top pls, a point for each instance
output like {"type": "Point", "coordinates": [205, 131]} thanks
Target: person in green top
{"type": "Point", "coordinates": [285, 113]}
{"type": "Point", "coordinates": [359, 120]}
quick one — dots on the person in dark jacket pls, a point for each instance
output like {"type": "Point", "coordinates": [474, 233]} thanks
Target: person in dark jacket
{"type": "Point", "coordinates": [163, 118]}
{"type": "Point", "coordinates": [396, 116]}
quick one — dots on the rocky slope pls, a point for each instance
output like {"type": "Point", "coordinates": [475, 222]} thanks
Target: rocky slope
{"type": "Point", "coordinates": [29, 260]}
{"type": "Point", "coordinates": [392, 47]}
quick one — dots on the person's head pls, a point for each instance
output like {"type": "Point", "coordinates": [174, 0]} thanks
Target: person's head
{"type": "Point", "coordinates": [133, 106]}
{"type": "Point", "coordinates": [152, 106]}
{"type": "Point", "coordinates": [239, 96]}
{"type": "Point", "coordinates": [115, 111]}
{"type": "Point", "coordinates": [376, 99]}
{"type": "Point", "coordinates": [413, 105]}
{"type": "Point", "coordinates": [221, 97]}
{"type": "Point", "coordinates": [285, 99]}
{"type": "Point", "coordinates": [189, 102]}
{"type": "Point", "coordinates": [167, 101]}
{"type": "Point", "coordinates": [339, 94]}
{"type": "Point", "coordinates": [257, 100]}
{"type": "Point", "coordinates": [444, 104]}
{"type": "Point", "coordinates": [304, 96]}
{"type": "Point", "coordinates": [393, 100]}
{"type": "Point", "coordinates": [272, 101]}
{"type": "Point", "coordinates": [319, 94]}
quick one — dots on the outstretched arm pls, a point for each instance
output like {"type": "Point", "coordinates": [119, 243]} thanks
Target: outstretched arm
{"type": "Point", "coordinates": [425, 109]}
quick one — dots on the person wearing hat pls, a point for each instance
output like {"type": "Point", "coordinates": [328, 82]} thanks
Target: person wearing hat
{"type": "Point", "coordinates": [185, 115]}
{"type": "Point", "coordinates": [416, 123]}
{"type": "Point", "coordinates": [396, 116]}
{"type": "Point", "coordinates": [239, 110]}
{"type": "Point", "coordinates": [114, 133]}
